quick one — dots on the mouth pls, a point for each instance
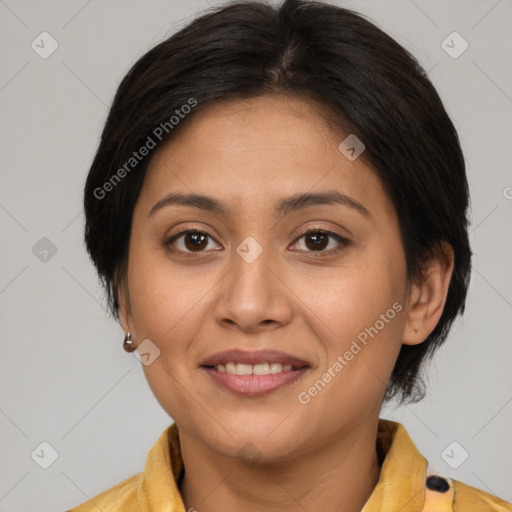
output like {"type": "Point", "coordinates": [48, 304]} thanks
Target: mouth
{"type": "Point", "coordinates": [234, 368]}
{"type": "Point", "coordinates": [254, 373]}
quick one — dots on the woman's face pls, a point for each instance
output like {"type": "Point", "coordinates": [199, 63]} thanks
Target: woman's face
{"type": "Point", "coordinates": [247, 278]}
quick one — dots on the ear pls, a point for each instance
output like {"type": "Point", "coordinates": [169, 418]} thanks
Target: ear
{"type": "Point", "coordinates": [427, 299]}
{"type": "Point", "coordinates": [125, 312]}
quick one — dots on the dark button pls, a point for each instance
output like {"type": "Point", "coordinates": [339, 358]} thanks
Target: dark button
{"type": "Point", "coordinates": [437, 483]}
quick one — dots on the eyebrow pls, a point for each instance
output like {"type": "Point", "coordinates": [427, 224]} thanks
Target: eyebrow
{"type": "Point", "coordinates": [282, 207]}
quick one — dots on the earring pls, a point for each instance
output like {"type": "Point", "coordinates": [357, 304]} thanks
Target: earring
{"type": "Point", "coordinates": [128, 344]}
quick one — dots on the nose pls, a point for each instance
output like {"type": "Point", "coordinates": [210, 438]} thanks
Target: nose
{"type": "Point", "coordinates": [253, 296]}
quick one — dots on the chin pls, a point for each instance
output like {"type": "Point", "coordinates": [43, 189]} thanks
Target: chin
{"type": "Point", "coordinates": [255, 444]}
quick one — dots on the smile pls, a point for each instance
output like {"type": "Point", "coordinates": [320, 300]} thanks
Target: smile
{"type": "Point", "coordinates": [256, 369]}
{"type": "Point", "coordinates": [237, 379]}
{"type": "Point", "coordinates": [254, 373]}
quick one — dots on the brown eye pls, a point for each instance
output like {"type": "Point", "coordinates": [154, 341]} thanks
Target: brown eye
{"type": "Point", "coordinates": [318, 240]}
{"type": "Point", "coordinates": [315, 240]}
{"type": "Point", "coordinates": [190, 241]}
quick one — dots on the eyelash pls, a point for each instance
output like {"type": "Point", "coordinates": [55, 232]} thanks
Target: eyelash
{"type": "Point", "coordinates": [344, 242]}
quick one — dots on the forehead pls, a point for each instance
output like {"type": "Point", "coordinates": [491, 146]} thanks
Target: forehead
{"type": "Point", "coordinates": [251, 153]}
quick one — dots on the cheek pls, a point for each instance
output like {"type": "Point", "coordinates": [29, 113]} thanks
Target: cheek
{"type": "Point", "coordinates": [362, 315]}
{"type": "Point", "coordinates": [165, 298]}
{"type": "Point", "coordinates": [349, 298]}
{"type": "Point", "coordinates": [167, 306]}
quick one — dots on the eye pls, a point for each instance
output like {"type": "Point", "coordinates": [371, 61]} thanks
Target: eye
{"type": "Point", "coordinates": [316, 240]}
{"type": "Point", "coordinates": [190, 241]}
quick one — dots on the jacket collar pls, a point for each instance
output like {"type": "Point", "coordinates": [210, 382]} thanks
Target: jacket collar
{"type": "Point", "coordinates": [401, 482]}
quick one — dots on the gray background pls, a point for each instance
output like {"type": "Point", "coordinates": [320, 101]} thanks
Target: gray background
{"type": "Point", "coordinates": [64, 377]}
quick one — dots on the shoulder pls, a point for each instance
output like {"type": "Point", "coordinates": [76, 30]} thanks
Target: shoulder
{"type": "Point", "coordinates": [122, 496]}
{"type": "Point", "coordinates": [447, 494]}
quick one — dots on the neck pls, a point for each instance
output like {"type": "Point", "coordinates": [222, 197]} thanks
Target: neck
{"type": "Point", "coordinates": [340, 475]}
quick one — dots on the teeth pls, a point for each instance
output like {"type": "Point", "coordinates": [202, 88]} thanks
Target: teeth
{"type": "Point", "coordinates": [243, 369]}
{"type": "Point", "coordinates": [276, 368]}
{"type": "Point", "coordinates": [256, 369]}
{"type": "Point", "coordinates": [261, 369]}
{"type": "Point", "coordinates": [230, 368]}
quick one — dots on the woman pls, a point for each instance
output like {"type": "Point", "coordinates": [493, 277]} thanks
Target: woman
{"type": "Point", "coordinates": [277, 210]}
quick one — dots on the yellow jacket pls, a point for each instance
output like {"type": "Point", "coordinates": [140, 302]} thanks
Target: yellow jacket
{"type": "Point", "coordinates": [402, 485]}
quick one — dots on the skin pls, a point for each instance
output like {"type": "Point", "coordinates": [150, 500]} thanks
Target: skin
{"type": "Point", "coordinates": [192, 304]}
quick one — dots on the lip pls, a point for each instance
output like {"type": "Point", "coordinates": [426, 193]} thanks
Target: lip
{"type": "Point", "coordinates": [255, 357]}
{"type": "Point", "coordinates": [255, 385]}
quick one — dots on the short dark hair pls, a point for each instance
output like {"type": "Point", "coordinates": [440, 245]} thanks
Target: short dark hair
{"type": "Point", "coordinates": [369, 85]}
